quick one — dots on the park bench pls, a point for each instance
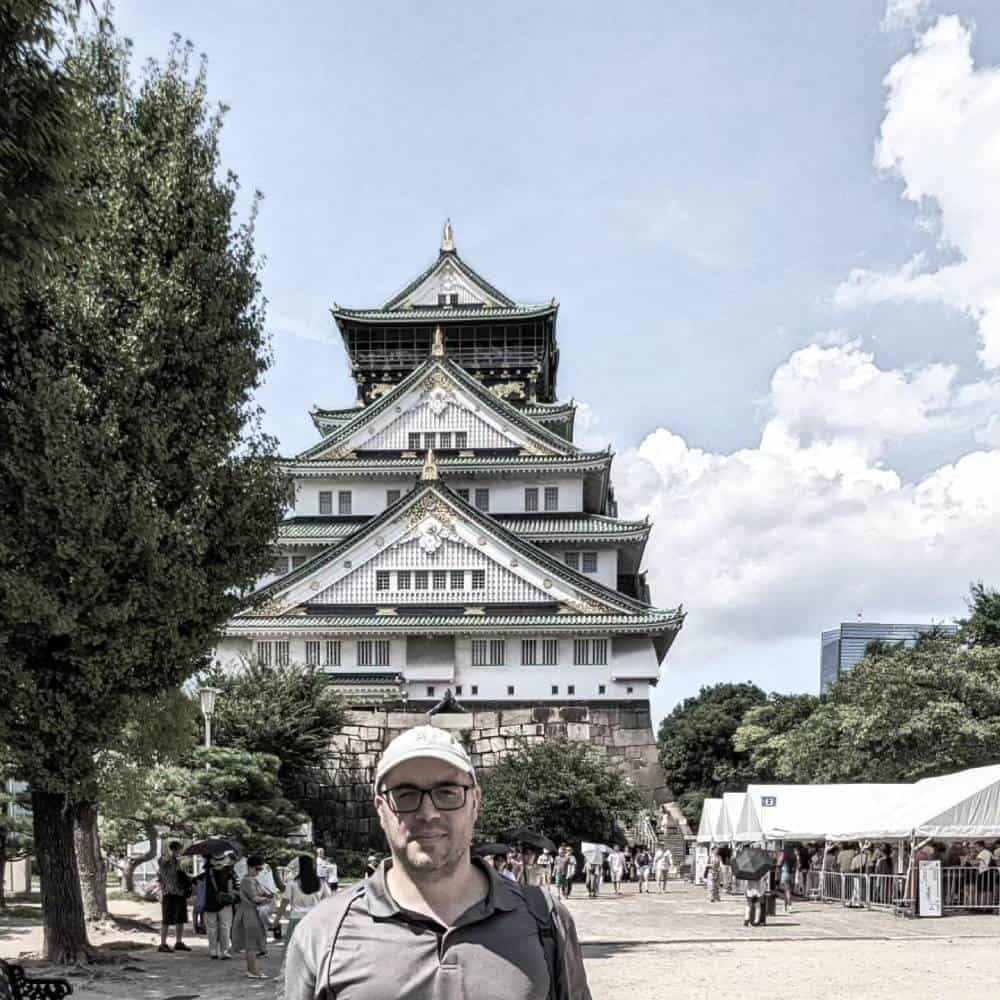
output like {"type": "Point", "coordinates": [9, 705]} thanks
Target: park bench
{"type": "Point", "coordinates": [15, 985]}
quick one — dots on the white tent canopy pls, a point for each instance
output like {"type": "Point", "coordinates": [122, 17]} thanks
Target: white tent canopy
{"type": "Point", "coordinates": [729, 815]}
{"type": "Point", "coordinates": [960, 806]}
{"type": "Point", "coordinates": [804, 812]}
{"type": "Point", "coordinates": [710, 810]}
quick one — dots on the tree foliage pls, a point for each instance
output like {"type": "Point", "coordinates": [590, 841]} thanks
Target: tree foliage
{"type": "Point", "coordinates": [696, 744]}
{"type": "Point", "coordinates": [227, 793]}
{"type": "Point", "coordinates": [290, 712]}
{"type": "Point", "coordinates": [140, 497]}
{"type": "Point", "coordinates": [763, 734]}
{"type": "Point", "coordinates": [982, 627]}
{"type": "Point", "coordinates": [902, 716]}
{"type": "Point", "coordinates": [566, 789]}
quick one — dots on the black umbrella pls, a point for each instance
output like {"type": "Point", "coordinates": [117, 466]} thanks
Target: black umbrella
{"type": "Point", "coordinates": [752, 864]}
{"type": "Point", "coordinates": [212, 845]}
{"type": "Point", "coordinates": [485, 850]}
{"type": "Point", "coordinates": [532, 839]}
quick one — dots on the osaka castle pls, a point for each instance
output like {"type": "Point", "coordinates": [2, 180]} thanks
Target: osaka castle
{"type": "Point", "coordinates": [446, 533]}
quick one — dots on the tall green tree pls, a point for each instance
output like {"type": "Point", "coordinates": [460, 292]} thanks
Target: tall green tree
{"type": "Point", "coordinates": [566, 789]}
{"type": "Point", "coordinates": [290, 712]}
{"type": "Point", "coordinates": [982, 627]}
{"type": "Point", "coordinates": [696, 744]}
{"type": "Point", "coordinates": [901, 716]}
{"type": "Point", "coordinates": [140, 497]}
{"type": "Point", "coordinates": [763, 733]}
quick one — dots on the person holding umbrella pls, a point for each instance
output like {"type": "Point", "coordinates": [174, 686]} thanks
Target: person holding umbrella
{"type": "Point", "coordinates": [753, 865]}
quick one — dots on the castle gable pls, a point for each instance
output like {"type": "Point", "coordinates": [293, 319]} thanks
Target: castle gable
{"type": "Point", "coordinates": [439, 407]}
{"type": "Point", "coordinates": [434, 549]}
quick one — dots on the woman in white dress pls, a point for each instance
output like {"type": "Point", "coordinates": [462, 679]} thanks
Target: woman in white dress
{"type": "Point", "coordinates": [301, 894]}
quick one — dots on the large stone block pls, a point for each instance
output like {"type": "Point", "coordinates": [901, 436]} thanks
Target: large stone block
{"type": "Point", "coordinates": [356, 718]}
{"type": "Point", "coordinates": [485, 720]}
{"type": "Point", "coordinates": [453, 721]}
{"type": "Point", "coordinates": [515, 716]}
{"type": "Point", "coordinates": [578, 731]}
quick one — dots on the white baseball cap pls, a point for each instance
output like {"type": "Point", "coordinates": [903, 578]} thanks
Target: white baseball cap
{"type": "Point", "coordinates": [423, 741]}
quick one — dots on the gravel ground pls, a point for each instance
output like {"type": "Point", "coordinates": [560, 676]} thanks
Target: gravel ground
{"type": "Point", "coordinates": [636, 947]}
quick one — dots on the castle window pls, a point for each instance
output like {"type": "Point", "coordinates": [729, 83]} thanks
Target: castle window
{"type": "Point", "coordinates": [482, 499]}
{"type": "Point", "coordinates": [420, 579]}
{"type": "Point", "coordinates": [461, 440]}
{"type": "Point", "coordinates": [572, 559]}
{"type": "Point", "coordinates": [413, 441]}
{"type": "Point", "coordinates": [463, 493]}
{"type": "Point", "coordinates": [531, 498]}
{"type": "Point", "coordinates": [458, 690]}
{"type": "Point", "coordinates": [628, 690]}
{"type": "Point", "coordinates": [529, 652]}
{"type": "Point", "coordinates": [551, 497]}
{"type": "Point", "coordinates": [373, 653]}
{"type": "Point", "coordinates": [590, 652]}
{"type": "Point", "coordinates": [440, 579]}
{"type": "Point", "coordinates": [297, 561]}
{"type": "Point", "coordinates": [550, 652]}
{"type": "Point", "coordinates": [489, 652]}
{"type": "Point", "coordinates": [555, 689]}
{"type": "Point", "coordinates": [602, 689]}
{"type": "Point", "coordinates": [312, 652]}
{"type": "Point", "coordinates": [382, 579]}
{"type": "Point", "coordinates": [429, 440]}
{"type": "Point", "coordinates": [273, 654]}
{"type": "Point", "coordinates": [430, 692]}
{"type": "Point", "coordinates": [457, 579]}
{"type": "Point", "coordinates": [444, 439]}
{"type": "Point", "coordinates": [326, 501]}
{"type": "Point", "coordinates": [403, 580]}
{"type": "Point", "coordinates": [479, 579]}
{"type": "Point", "coordinates": [589, 562]}
{"type": "Point", "coordinates": [510, 689]}
{"type": "Point", "coordinates": [344, 502]}
{"type": "Point", "coordinates": [571, 689]}
{"type": "Point", "coordinates": [474, 689]}
{"type": "Point", "coordinates": [332, 653]}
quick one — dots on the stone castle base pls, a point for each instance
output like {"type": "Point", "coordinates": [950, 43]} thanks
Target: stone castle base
{"type": "Point", "coordinates": [342, 808]}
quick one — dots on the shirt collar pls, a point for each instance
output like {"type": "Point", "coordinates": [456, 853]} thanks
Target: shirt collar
{"type": "Point", "coordinates": [382, 906]}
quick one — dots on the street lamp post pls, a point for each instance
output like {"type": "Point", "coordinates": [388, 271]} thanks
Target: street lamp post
{"type": "Point", "coordinates": [208, 696]}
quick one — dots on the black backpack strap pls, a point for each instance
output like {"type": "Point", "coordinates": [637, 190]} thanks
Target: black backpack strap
{"type": "Point", "coordinates": [540, 905]}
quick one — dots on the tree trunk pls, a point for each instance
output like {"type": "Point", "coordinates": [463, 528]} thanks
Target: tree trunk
{"type": "Point", "coordinates": [93, 871]}
{"type": "Point", "coordinates": [65, 940]}
{"type": "Point", "coordinates": [132, 863]}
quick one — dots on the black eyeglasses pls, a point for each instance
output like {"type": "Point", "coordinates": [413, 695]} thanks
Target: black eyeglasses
{"type": "Point", "coordinates": [408, 799]}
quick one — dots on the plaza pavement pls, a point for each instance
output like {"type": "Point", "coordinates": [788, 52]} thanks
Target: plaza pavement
{"type": "Point", "coordinates": [636, 948]}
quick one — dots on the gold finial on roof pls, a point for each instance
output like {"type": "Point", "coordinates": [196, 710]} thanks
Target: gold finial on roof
{"type": "Point", "coordinates": [447, 237]}
{"type": "Point", "coordinates": [430, 470]}
{"type": "Point", "coordinates": [437, 347]}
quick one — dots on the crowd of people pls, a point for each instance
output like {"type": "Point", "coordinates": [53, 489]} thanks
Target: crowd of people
{"type": "Point", "coordinates": [238, 901]}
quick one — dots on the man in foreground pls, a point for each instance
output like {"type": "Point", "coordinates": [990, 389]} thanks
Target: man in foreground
{"type": "Point", "coordinates": [431, 921]}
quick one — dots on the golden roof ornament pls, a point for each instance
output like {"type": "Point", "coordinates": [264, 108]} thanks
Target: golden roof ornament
{"type": "Point", "coordinates": [429, 474]}
{"type": "Point", "coordinates": [447, 238]}
{"type": "Point", "coordinates": [437, 347]}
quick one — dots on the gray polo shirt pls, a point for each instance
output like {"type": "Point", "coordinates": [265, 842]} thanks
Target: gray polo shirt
{"type": "Point", "coordinates": [492, 952]}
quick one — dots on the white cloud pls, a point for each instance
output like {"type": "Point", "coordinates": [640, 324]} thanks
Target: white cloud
{"type": "Point", "coordinates": [903, 14]}
{"type": "Point", "coordinates": [291, 326]}
{"type": "Point", "coordinates": [785, 538]}
{"type": "Point", "coordinates": [941, 137]}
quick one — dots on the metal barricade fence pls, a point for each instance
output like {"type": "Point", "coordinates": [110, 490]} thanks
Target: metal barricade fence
{"type": "Point", "coordinates": [831, 886]}
{"type": "Point", "coordinates": [967, 888]}
{"type": "Point", "coordinates": [887, 892]}
{"type": "Point", "coordinates": [812, 884]}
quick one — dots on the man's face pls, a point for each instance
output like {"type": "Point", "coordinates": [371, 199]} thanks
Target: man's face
{"type": "Point", "coordinates": [429, 842]}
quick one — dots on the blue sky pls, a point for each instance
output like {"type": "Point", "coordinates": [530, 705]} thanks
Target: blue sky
{"type": "Point", "coordinates": [695, 184]}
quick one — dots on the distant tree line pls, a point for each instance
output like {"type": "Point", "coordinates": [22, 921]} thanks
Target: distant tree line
{"type": "Point", "coordinates": [903, 713]}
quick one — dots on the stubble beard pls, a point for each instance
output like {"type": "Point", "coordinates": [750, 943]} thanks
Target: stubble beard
{"type": "Point", "coordinates": [441, 861]}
